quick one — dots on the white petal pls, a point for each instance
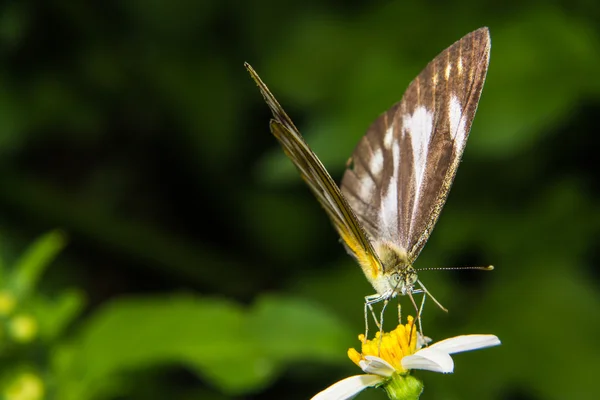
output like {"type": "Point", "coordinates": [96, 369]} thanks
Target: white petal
{"type": "Point", "coordinates": [377, 366]}
{"type": "Point", "coordinates": [429, 359]}
{"type": "Point", "coordinates": [349, 387]}
{"type": "Point", "coordinates": [465, 343]}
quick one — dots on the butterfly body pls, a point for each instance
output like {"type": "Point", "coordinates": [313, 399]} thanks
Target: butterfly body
{"type": "Point", "coordinates": [397, 276]}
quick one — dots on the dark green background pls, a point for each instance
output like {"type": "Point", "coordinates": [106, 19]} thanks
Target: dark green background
{"type": "Point", "coordinates": [209, 271]}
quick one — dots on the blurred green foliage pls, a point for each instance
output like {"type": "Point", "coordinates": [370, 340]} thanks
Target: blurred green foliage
{"type": "Point", "coordinates": [198, 266]}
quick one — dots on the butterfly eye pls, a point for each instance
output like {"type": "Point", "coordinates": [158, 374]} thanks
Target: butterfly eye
{"type": "Point", "coordinates": [395, 278]}
{"type": "Point", "coordinates": [411, 276]}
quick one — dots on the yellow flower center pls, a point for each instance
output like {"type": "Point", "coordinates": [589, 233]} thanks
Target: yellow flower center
{"type": "Point", "coordinates": [391, 347]}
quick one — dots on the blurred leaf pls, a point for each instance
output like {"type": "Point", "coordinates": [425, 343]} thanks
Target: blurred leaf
{"type": "Point", "coordinates": [291, 330]}
{"type": "Point", "coordinates": [138, 333]}
{"type": "Point", "coordinates": [30, 266]}
{"type": "Point", "coordinates": [235, 350]}
{"type": "Point", "coordinates": [54, 315]}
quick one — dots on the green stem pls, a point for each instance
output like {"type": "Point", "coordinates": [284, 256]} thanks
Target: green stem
{"type": "Point", "coordinates": [403, 387]}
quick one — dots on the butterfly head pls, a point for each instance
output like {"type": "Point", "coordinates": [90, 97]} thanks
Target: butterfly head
{"type": "Point", "coordinates": [398, 276]}
{"type": "Point", "coordinates": [402, 280]}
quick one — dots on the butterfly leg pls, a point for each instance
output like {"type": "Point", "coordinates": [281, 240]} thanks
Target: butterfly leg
{"type": "Point", "coordinates": [419, 310]}
{"type": "Point", "coordinates": [424, 290]}
{"type": "Point", "coordinates": [369, 306]}
{"type": "Point", "coordinates": [420, 320]}
{"type": "Point", "coordinates": [369, 301]}
{"type": "Point", "coordinates": [385, 303]}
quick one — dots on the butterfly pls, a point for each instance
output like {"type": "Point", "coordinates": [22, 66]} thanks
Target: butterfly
{"type": "Point", "coordinates": [400, 173]}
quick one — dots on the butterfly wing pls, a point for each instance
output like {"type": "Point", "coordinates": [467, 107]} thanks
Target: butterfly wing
{"type": "Point", "coordinates": [321, 184]}
{"type": "Point", "coordinates": [402, 169]}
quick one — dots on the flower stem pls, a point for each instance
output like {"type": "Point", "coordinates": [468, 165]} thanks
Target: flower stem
{"type": "Point", "coordinates": [403, 387]}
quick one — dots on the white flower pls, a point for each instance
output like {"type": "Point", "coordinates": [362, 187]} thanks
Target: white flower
{"type": "Point", "coordinates": [398, 352]}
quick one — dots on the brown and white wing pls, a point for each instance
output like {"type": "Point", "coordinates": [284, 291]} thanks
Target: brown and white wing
{"type": "Point", "coordinates": [401, 171]}
{"type": "Point", "coordinates": [321, 184]}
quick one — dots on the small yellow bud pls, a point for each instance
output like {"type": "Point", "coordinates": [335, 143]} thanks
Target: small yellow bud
{"type": "Point", "coordinates": [23, 328]}
{"type": "Point", "coordinates": [7, 302]}
{"type": "Point", "coordinates": [27, 386]}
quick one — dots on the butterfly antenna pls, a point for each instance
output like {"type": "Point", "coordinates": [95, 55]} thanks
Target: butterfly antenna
{"type": "Point", "coordinates": [432, 297]}
{"type": "Point", "coordinates": [480, 268]}
{"type": "Point", "coordinates": [486, 268]}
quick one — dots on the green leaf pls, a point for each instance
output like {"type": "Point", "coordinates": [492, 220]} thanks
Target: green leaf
{"type": "Point", "coordinates": [292, 329]}
{"type": "Point", "coordinates": [55, 314]}
{"type": "Point", "coordinates": [33, 262]}
{"type": "Point", "coordinates": [236, 350]}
